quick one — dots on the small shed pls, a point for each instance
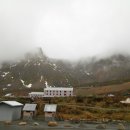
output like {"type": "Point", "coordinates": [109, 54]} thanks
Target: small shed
{"type": "Point", "coordinates": [10, 110]}
{"type": "Point", "coordinates": [29, 110]}
{"type": "Point", "coordinates": [50, 112]}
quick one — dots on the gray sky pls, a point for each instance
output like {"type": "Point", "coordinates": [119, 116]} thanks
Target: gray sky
{"type": "Point", "coordinates": [64, 28]}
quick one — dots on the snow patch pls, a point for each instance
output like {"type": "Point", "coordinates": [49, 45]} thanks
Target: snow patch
{"type": "Point", "coordinates": [12, 66]}
{"type": "Point", "coordinates": [8, 94]}
{"type": "Point", "coordinates": [28, 86]}
{"type": "Point", "coordinates": [46, 84]}
{"type": "Point", "coordinates": [27, 63]}
{"type": "Point", "coordinates": [67, 80]}
{"type": "Point", "coordinates": [38, 64]}
{"type": "Point", "coordinates": [87, 73]}
{"type": "Point", "coordinates": [4, 89]}
{"type": "Point", "coordinates": [22, 81]}
{"type": "Point", "coordinates": [5, 73]}
{"type": "Point", "coordinates": [9, 85]}
{"type": "Point", "coordinates": [55, 67]}
{"type": "Point", "coordinates": [41, 78]}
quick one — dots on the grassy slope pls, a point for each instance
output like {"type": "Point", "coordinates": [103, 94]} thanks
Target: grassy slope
{"type": "Point", "coordinates": [119, 88]}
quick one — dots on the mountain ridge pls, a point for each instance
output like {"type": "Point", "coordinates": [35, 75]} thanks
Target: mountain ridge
{"type": "Point", "coordinates": [36, 68]}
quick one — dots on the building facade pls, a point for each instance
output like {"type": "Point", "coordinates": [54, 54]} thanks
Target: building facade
{"type": "Point", "coordinates": [58, 92]}
{"type": "Point", "coordinates": [36, 94]}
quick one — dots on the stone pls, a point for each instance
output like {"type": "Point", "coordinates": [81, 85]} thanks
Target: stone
{"type": "Point", "coordinates": [52, 123]}
{"type": "Point", "coordinates": [121, 126]}
{"type": "Point", "coordinates": [22, 123]}
{"type": "Point", "coordinates": [36, 123]}
{"type": "Point", "coordinates": [101, 126]}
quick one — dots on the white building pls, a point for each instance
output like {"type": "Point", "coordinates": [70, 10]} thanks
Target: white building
{"type": "Point", "coordinates": [58, 92]}
{"type": "Point", "coordinates": [36, 94]}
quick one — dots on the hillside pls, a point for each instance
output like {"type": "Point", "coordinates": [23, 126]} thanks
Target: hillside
{"type": "Point", "coordinates": [123, 88]}
{"type": "Point", "coordinates": [36, 68]}
{"type": "Point", "coordinates": [32, 71]}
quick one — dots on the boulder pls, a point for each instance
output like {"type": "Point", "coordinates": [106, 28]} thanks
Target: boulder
{"type": "Point", "coordinates": [52, 123]}
{"type": "Point", "coordinates": [36, 123]}
{"type": "Point", "coordinates": [121, 126]}
{"type": "Point", "coordinates": [22, 123]}
{"type": "Point", "coordinates": [101, 126]}
{"type": "Point", "coordinates": [7, 122]}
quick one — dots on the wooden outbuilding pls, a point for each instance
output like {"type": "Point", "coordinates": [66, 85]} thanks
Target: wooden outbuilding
{"type": "Point", "coordinates": [50, 112]}
{"type": "Point", "coordinates": [29, 111]}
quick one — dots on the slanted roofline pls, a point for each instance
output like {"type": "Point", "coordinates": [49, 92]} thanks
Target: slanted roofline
{"type": "Point", "coordinates": [59, 88]}
{"type": "Point", "coordinates": [50, 107]}
{"type": "Point", "coordinates": [37, 93]}
{"type": "Point", "coordinates": [29, 107]}
{"type": "Point", "coordinates": [12, 103]}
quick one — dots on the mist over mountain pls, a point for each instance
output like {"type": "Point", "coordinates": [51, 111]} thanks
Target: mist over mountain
{"type": "Point", "coordinates": [69, 29]}
{"type": "Point", "coordinates": [36, 68]}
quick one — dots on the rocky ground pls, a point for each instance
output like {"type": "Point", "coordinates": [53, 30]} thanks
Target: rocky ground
{"type": "Point", "coordinates": [40, 125]}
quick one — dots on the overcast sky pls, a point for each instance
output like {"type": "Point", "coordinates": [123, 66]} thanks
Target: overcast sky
{"type": "Point", "coordinates": [64, 28]}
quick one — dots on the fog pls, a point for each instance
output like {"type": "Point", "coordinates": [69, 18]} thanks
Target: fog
{"type": "Point", "coordinates": [67, 29]}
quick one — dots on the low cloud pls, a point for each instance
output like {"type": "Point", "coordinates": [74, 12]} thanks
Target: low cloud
{"type": "Point", "coordinates": [64, 29]}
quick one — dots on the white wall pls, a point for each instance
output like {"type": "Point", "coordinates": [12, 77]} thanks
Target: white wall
{"type": "Point", "coordinates": [8, 113]}
{"type": "Point", "coordinates": [58, 93]}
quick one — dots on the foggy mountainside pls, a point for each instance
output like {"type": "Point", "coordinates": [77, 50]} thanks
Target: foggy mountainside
{"type": "Point", "coordinates": [93, 36]}
{"type": "Point", "coordinates": [36, 68]}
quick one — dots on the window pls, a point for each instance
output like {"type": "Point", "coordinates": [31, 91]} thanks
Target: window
{"type": "Point", "coordinates": [64, 93]}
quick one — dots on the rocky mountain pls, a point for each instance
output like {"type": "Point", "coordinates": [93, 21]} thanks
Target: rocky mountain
{"type": "Point", "coordinates": [33, 71]}
{"type": "Point", "coordinates": [36, 69]}
{"type": "Point", "coordinates": [114, 69]}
